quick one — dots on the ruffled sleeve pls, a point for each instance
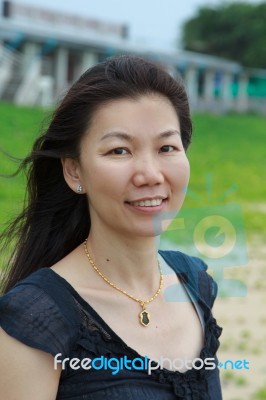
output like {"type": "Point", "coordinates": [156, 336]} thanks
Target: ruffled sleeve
{"type": "Point", "coordinates": [208, 288]}
{"type": "Point", "coordinates": [193, 271]}
{"type": "Point", "coordinates": [39, 319]}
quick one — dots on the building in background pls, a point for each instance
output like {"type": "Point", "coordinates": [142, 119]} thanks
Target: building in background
{"type": "Point", "coordinates": [43, 52]}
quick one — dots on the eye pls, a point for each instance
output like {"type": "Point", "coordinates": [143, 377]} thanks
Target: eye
{"type": "Point", "coordinates": [120, 151]}
{"type": "Point", "coordinates": [167, 149]}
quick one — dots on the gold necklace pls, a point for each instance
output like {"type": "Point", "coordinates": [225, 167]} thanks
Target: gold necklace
{"type": "Point", "coordinates": [144, 316]}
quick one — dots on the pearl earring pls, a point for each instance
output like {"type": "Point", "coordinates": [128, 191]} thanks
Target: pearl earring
{"type": "Point", "coordinates": [79, 189]}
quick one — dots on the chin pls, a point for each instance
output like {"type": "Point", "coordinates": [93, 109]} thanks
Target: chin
{"type": "Point", "coordinates": [149, 233]}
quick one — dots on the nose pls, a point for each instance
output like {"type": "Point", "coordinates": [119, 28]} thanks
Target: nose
{"type": "Point", "coordinates": [147, 171]}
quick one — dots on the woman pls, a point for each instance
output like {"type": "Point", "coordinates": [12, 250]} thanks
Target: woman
{"type": "Point", "coordinates": [86, 287]}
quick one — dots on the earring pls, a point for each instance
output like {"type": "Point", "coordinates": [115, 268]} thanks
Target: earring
{"type": "Point", "coordinates": [79, 189]}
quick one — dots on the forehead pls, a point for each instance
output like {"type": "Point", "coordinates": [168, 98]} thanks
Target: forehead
{"type": "Point", "coordinates": [151, 112]}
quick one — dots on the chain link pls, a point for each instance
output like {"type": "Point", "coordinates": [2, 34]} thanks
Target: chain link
{"type": "Point", "coordinates": [142, 302]}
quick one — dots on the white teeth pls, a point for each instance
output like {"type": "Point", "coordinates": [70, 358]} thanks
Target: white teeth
{"type": "Point", "coordinates": [147, 203]}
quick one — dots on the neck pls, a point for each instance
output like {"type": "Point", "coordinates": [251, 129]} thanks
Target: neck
{"type": "Point", "coordinates": [130, 263]}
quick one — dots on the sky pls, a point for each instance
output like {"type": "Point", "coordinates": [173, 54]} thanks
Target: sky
{"type": "Point", "coordinates": [151, 22]}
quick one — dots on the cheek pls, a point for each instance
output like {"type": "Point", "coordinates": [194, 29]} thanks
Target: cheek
{"type": "Point", "coordinates": [108, 178]}
{"type": "Point", "coordinates": [179, 173]}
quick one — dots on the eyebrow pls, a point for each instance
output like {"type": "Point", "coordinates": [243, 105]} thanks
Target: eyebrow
{"type": "Point", "coordinates": [129, 138]}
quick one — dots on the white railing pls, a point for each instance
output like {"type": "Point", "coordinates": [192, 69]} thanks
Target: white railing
{"type": "Point", "coordinates": [35, 88]}
{"type": "Point", "coordinates": [45, 91]}
{"type": "Point", "coordinates": [8, 60]}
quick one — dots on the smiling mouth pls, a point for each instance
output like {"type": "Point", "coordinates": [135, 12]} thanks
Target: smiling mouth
{"type": "Point", "coordinates": [146, 203]}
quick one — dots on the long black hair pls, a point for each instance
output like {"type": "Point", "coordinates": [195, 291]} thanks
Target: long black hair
{"type": "Point", "coordinates": [55, 220]}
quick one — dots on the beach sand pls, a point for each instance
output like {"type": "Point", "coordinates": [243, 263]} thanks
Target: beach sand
{"type": "Point", "coordinates": [244, 329]}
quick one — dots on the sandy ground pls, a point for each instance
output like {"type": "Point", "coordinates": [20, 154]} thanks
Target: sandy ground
{"type": "Point", "coordinates": [244, 328]}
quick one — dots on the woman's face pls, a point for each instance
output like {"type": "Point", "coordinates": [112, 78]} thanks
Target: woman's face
{"type": "Point", "coordinates": [133, 166]}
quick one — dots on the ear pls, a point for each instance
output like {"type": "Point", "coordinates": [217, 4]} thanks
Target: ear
{"type": "Point", "coordinates": [71, 172]}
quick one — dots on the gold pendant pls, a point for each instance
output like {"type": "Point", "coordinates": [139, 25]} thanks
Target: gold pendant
{"type": "Point", "coordinates": [144, 317]}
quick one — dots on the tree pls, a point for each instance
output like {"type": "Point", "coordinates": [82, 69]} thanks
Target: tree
{"type": "Point", "coordinates": [236, 31]}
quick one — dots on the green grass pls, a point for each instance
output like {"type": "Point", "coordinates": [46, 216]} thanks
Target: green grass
{"type": "Point", "coordinates": [19, 126]}
{"type": "Point", "coordinates": [260, 394]}
{"type": "Point", "coordinates": [227, 158]}
{"type": "Point", "coordinates": [231, 148]}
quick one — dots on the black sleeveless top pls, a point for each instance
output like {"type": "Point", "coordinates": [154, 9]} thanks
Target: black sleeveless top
{"type": "Point", "coordinates": [45, 312]}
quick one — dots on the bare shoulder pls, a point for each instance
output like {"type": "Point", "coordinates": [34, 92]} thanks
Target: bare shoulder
{"type": "Point", "coordinates": [31, 369]}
